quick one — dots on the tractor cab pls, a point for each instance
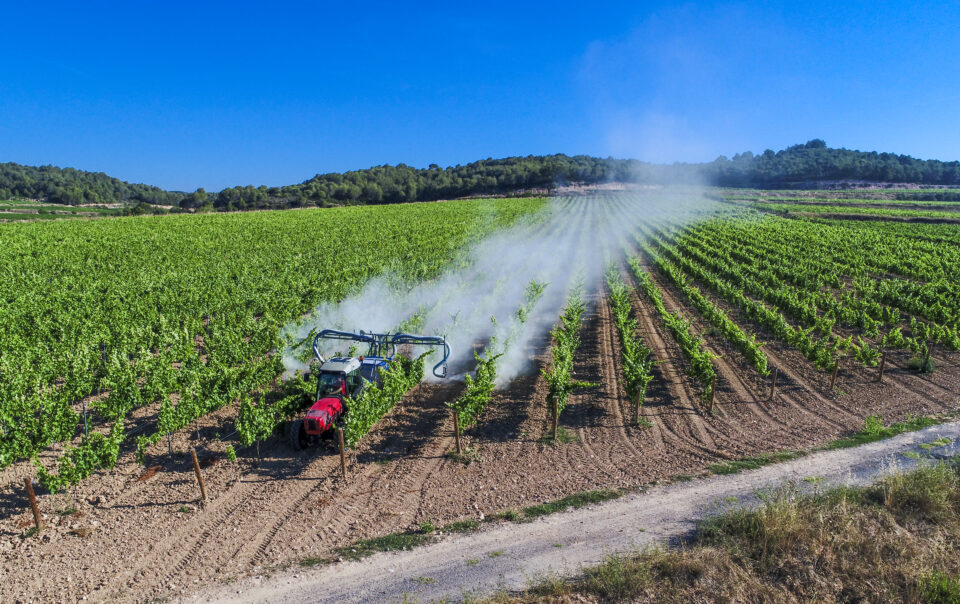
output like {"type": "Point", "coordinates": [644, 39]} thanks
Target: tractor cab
{"type": "Point", "coordinates": [339, 379]}
{"type": "Point", "coordinates": [339, 376]}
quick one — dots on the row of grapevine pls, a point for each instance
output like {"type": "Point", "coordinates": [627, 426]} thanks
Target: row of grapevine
{"type": "Point", "coordinates": [871, 304]}
{"type": "Point", "coordinates": [852, 252]}
{"type": "Point", "coordinates": [818, 351]}
{"type": "Point", "coordinates": [77, 463]}
{"type": "Point", "coordinates": [479, 387]}
{"type": "Point", "coordinates": [747, 345]}
{"type": "Point", "coordinates": [700, 359]}
{"type": "Point", "coordinates": [637, 359]}
{"type": "Point", "coordinates": [364, 411]}
{"type": "Point", "coordinates": [566, 338]}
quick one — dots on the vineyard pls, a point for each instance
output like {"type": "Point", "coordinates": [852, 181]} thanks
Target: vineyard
{"type": "Point", "coordinates": [600, 341]}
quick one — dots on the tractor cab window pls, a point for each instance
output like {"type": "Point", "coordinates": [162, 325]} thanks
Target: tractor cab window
{"type": "Point", "coordinates": [369, 372]}
{"type": "Point", "coordinates": [354, 382]}
{"type": "Point", "coordinates": [329, 384]}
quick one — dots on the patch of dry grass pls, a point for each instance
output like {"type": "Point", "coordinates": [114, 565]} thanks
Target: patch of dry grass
{"type": "Point", "coordinates": [895, 541]}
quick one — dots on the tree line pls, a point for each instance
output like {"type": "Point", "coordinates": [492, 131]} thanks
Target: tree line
{"type": "Point", "coordinates": [76, 187]}
{"type": "Point", "coordinates": [795, 166]}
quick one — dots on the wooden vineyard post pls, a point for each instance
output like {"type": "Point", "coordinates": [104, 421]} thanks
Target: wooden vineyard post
{"type": "Point", "coordinates": [170, 444]}
{"type": "Point", "coordinates": [636, 409]}
{"type": "Point", "coordinates": [343, 453]}
{"type": "Point", "coordinates": [33, 502]}
{"type": "Point", "coordinates": [456, 431]}
{"type": "Point", "coordinates": [713, 393]}
{"type": "Point", "coordinates": [196, 468]}
{"type": "Point", "coordinates": [556, 418]}
{"type": "Point", "coordinates": [833, 376]}
{"type": "Point", "coordinates": [773, 383]}
{"type": "Point", "coordinates": [883, 361]}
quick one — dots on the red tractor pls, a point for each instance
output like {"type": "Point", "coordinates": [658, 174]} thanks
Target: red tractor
{"type": "Point", "coordinates": [342, 378]}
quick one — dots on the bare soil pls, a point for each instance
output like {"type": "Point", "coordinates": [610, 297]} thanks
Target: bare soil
{"type": "Point", "coordinates": [509, 557]}
{"type": "Point", "coordinates": [139, 533]}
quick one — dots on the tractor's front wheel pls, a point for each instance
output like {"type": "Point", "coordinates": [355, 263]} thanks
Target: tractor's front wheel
{"type": "Point", "coordinates": [297, 435]}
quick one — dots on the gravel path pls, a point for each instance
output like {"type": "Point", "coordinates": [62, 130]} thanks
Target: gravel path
{"type": "Point", "coordinates": [510, 556]}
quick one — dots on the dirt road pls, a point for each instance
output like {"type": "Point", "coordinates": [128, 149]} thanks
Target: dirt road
{"type": "Point", "coordinates": [509, 556]}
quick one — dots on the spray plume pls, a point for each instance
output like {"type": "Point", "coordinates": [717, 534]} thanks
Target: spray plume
{"type": "Point", "coordinates": [571, 240]}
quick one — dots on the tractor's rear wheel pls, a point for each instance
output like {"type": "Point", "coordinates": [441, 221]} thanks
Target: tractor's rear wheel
{"type": "Point", "coordinates": [297, 435]}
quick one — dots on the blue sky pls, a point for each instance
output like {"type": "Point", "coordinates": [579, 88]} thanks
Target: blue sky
{"type": "Point", "coordinates": [214, 95]}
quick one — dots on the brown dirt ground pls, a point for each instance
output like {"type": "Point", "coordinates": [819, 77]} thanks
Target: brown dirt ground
{"type": "Point", "coordinates": [135, 540]}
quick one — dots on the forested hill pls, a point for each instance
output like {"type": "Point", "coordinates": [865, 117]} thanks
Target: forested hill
{"type": "Point", "coordinates": [75, 187]}
{"type": "Point", "coordinates": [791, 167]}
{"type": "Point", "coordinates": [814, 161]}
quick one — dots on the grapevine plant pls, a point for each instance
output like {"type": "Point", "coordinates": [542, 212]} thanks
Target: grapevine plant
{"type": "Point", "coordinates": [566, 338]}
{"type": "Point", "coordinates": [637, 362]}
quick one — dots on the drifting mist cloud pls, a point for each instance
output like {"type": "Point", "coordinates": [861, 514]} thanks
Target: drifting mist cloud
{"type": "Point", "coordinates": [570, 241]}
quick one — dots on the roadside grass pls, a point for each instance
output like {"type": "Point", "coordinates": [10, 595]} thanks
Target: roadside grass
{"type": "Point", "coordinates": [752, 463]}
{"type": "Point", "coordinates": [462, 526]}
{"type": "Point", "coordinates": [427, 532]}
{"type": "Point", "coordinates": [874, 430]}
{"type": "Point", "coordinates": [388, 543]}
{"type": "Point", "coordinates": [896, 540]}
{"type": "Point", "coordinates": [941, 587]}
{"type": "Point", "coordinates": [577, 500]}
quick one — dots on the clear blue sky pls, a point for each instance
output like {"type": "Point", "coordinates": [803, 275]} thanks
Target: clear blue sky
{"type": "Point", "coordinates": [184, 95]}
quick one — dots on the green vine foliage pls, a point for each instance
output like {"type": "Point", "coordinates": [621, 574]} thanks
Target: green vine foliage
{"type": "Point", "coordinates": [566, 337]}
{"type": "Point", "coordinates": [732, 332]}
{"type": "Point", "coordinates": [183, 316]}
{"type": "Point", "coordinates": [477, 393]}
{"type": "Point", "coordinates": [257, 422]}
{"type": "Point", "coordinates": [77, 463]}
{"type": "Point", "coordinates": [637, 360]}
{"type": "Point", "coordinates": [364, 411]}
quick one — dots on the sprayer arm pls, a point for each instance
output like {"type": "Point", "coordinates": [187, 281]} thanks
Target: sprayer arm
{"type": "Point", "coordinates": [334, 334]}
{"type": "Point", "coordinates": [379, 340]}
{"type": "Point", "coordinates": [415, 340]}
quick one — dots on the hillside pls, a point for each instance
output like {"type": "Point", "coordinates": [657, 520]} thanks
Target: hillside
{"type": "Point", "coordinates": [75, 187]}
{"type": "Point", "coordinates": [794, 167]}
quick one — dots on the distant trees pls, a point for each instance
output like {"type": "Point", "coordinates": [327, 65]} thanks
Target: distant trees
{"type": "Point", "coordinates": [512, 175]}
{"type": "Point", "coordinates": [75, 187]}
{"type": "Point", "coordinates": [815, 161]}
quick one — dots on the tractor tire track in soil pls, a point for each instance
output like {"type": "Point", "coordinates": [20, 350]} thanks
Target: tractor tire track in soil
{"type": "Point", "coordinates": [594, 413]}
{"type": "Point", "coordinates": [385, 474]}
{"type": "Point", "coordinates": [228, 514]}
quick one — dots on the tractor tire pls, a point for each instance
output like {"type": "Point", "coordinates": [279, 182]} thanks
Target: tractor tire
{"type": "Point", "coordinates": [297, 435]}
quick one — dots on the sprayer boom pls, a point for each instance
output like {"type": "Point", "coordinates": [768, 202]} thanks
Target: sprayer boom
{"type": "Point", "coordinates": [385, 344]}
